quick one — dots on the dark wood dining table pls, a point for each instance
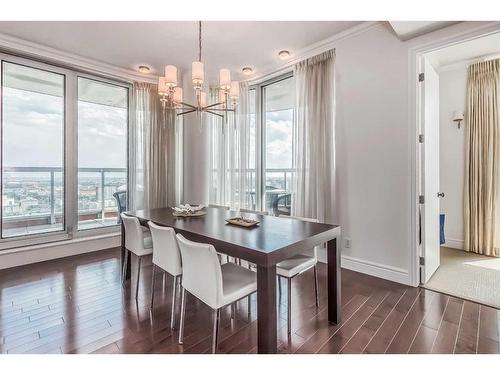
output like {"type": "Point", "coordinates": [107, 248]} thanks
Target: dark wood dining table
{"type": "Point", "coordinates": [273, 240]}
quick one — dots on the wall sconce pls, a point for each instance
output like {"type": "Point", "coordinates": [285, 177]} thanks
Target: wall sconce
{"type": "Point", "coordinates": [458, 116]}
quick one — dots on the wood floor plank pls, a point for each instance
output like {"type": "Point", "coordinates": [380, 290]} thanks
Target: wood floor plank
{"type": "Point", "coordinates": [488, 338]}
{"type": "Point", "coordinates": [468, 329]}
{"type": "Point", "coordinates": [77, 305]}
{"type": "Point", "coordinates": [448, 330]}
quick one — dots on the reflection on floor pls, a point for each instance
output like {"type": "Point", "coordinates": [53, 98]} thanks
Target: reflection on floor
{"type": "Point", "coordinates": [468, 275]}
{"type": "Point", "coordinates": [78, 305]}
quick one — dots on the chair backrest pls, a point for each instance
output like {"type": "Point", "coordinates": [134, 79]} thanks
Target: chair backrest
{"type": "Point", "coordinates": [201, 272]}
{"type": "Point", "coordinates": [248, 211]}
{"type": "Point", "coordinates": [134, 240]}
{"type": "Point", "coordinates": [166, 253]}
{"type": "Point", "coordinates": [217, 206]}
{"type": "Point", "coordinates": [121, 201]}
{"type": "Point", "coordinates": [310, 252]}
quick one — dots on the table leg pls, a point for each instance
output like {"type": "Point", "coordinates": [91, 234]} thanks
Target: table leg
{"type": "Point", "coordinates": [334, 283]}
{"type": "Point", "coordinates": [266, 310]}
{"type": "Point", "coordinates": [124, 254]}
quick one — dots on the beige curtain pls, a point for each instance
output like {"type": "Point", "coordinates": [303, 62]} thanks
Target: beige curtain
{"type": "Point", "coordinates": [482, 142]}
{"type": "Point", "coordinates": [152, 150]}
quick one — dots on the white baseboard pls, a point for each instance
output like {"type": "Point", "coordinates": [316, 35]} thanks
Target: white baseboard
{"type": "Point", "coordinates": [454, 244]}
{"type": "Point", "coordinates": [398, 275]}
{"type": "Point", "coordinates": [54, 250]}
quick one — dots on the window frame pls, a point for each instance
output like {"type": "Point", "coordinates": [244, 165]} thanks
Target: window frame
{"type": "Point", "coordinates": [70, 149]}
{"type": "Point", "coordinates": [260, 134]}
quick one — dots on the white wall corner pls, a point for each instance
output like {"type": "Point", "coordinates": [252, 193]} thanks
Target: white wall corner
{"type": "Point", "coordinates": [54, 250]}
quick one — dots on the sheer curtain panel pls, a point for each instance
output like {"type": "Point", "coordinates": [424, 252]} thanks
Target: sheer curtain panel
{"type": "Point", "coordinates": [230, 178]}
{"type": "Point", "coordinates": [314, 139]}
{"type": "Point", "coordinates": [152, 161]}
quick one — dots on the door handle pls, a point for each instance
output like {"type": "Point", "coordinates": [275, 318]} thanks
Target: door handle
{"type": "Point", "coordinates": [440, 195]}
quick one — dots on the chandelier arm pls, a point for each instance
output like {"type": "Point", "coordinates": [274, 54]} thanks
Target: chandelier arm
{"type": "Point", "coordinates": [188, 105]}
{"type": "Point", "coordinates": [186, 112]}
{"type": "Point", "coordinates": [213, 113]}
{"type": "Point", "coordinates": [223, 109]}
{"type": "Point", "coordinates": [213, 105]}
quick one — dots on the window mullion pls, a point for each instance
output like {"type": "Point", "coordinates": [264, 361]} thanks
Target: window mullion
{"type": "Point", "coordinates": [71, 154]}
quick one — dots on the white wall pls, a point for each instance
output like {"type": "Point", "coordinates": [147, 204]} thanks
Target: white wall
{"type": "Point", "coordinates": [374, 157]}
{"type": "Point", "coordinates": [452, 94]}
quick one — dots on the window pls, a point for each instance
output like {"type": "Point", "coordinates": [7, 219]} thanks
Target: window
{"type": "Point", "coordinates": [278, 108]}
{"type": "Point", "coordinates": [33, 114]}
{"type": "Point", "coordinates": [102, 151]}
{"type": "Point", "coordinates": [64, 143]}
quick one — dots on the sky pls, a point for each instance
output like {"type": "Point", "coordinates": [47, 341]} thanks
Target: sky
{"type": "Point", "coordinates": [33, 129]}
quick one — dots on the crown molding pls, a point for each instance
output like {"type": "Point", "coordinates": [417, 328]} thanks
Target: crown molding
{"type": "Point", "coordinates": [314, 49]}
{"type": "Point", "coordinates": [13, 45]}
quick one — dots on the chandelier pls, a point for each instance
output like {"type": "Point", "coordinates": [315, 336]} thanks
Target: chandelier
{"type": "Point", "coordinates": [171, 94]}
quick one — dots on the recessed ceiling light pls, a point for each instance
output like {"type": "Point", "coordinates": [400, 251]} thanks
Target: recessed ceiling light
{"type": "Point", "coordinates": [284, 54]}
{"type": "Point", "coordinates": [144, 69]}
{"type": "Point", "coordinates": [247, 70]}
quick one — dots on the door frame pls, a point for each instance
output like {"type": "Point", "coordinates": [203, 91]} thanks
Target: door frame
{"type": "Point", "coordinates": [415, 54]}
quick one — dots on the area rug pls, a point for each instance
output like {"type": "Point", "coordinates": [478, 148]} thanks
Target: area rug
{"type": "Point", "coordinates": [469, 276]}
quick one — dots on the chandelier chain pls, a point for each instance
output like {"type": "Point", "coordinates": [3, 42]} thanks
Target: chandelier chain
{"type": "Point", "coordinates": [199, 41]}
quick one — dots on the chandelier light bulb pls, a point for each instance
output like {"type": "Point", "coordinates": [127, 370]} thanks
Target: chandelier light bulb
{"type": "Point", "coordinates": [222, 96]}
{"type": "Point", "coordinates": [203, 99]}
{"type": "Point", "coordinates": [162, 86]}
{"type": "Point", "coordinates": [178, 95]}
{"type": "Point", "coordinates": [197, 73]}
{"type": "Point", "coordinates": [225, 79]}
{"type": "Point", "coordinates": [171, 75]}
{"type": "Point", "coordinates": [234, 92]}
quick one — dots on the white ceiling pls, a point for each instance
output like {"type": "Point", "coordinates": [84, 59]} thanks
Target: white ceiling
{"type": "Point", "coordinates": [465, 52]}
{"type": "Point", "coordinates": [226, 44]}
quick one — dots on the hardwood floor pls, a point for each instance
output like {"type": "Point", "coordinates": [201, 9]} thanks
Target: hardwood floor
{"type": "Point", "coordinates": [77, 305]}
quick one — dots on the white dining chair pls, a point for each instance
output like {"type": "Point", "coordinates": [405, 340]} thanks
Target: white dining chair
{"type": "Point", "coordinates": [294, 266]}
{"type": "Point", "coordinates": [138, 241]}
{"type": "Point", "coordinates": [167, 257]}
{"type": "Point", "coordinates": [214, 284]}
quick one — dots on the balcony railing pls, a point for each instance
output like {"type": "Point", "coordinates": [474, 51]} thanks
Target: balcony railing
{"type": "Point", "coordinates": [277, 184]}
{"type": "Point", "coordinates": [25, 187]}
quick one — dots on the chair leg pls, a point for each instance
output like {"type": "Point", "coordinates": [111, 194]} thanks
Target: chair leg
{"type": "Point", "coordinates": [215, 338]}
{"type": "Point", "coordinates": [183, 312]}
{"type": "Point", "coordinates": [172, 314]}
{"type": "Point", "coordinates": [153, 279]}
{"type": "Point", "coordinates": [124, 270]}
{"type": "Point", "coordinates": [316, 285]}
{"type": "Point", "coordinates": [138, 277]}
{"type": "Point", "coordinates": [233, 310]}
{"type": "Point", "coordinates": [289, 306]}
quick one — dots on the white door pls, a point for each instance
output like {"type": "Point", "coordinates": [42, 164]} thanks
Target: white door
{"type": "Point", "coordinates": [430, 171]}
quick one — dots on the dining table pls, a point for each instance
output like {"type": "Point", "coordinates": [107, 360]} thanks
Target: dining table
{"type": "Point", "coordinates": [271, 241]}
